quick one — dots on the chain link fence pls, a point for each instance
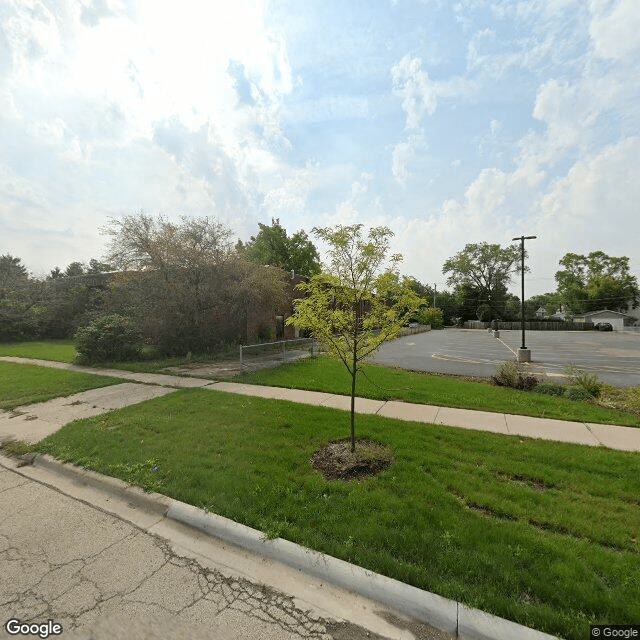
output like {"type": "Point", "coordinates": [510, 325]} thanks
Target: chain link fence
{"type": "Point", "coordinates": [271, 354]}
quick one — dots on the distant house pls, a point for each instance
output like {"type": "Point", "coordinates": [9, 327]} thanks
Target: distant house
{"type": "Point", "coordinates": [617, 320]}
{"type": "Point", "coordinates": [560, 314]}
{"type": "Point", "coordinates": [634, 313]}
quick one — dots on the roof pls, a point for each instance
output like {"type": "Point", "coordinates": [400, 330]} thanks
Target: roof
{"type": "Point", "coordinates": [600, 312]}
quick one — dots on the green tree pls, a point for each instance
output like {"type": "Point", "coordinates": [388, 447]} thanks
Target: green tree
{"type": "Point", "coordinates": [348, 309]}
{"type": "Point", "coordinates": [74, 269]}
{"type": "Point", "coordinates": [55, 273]}
{"type": "Point", "coordinates": [550, 302]}
{"type": "Point", "coordinates": [186, 286]}
{"type": "Point", "coordinates": [596, 281]}
{"type": "Point", "coordinates": [483, 271]}
{"type": "Point", "coordinates": [12, 272]}
{"type": "Point", "coordinates": [273, 246]}
{"type": "Point", "coordinates": [95, 266]}
{"type": "Point", "coordinates": [430, 316]}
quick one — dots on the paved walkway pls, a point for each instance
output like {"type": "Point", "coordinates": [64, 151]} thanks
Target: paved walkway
{"type": "Point", "coordinates": [611, 436]}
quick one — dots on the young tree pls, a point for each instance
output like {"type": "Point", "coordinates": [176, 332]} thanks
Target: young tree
{"type": "Point", "coordinates": [358, 304]}
{"type": "Point", "coordinates": [487, 270]}
{"type": "Point", "coordinates": [273, 246]}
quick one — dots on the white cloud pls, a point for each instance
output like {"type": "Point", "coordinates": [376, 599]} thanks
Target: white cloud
{"type": "Point", "coordinates": [599, 192]}
{"type": "Point", "coordinates": [614, 29]}
{"type": "Point", "coordinates": [403, 154]}
{"type": "Point", "coordinates": [412, 84]}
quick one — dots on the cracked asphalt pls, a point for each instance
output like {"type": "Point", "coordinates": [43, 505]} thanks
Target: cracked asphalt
{"type": "Point", "coordinates": [101, 577]}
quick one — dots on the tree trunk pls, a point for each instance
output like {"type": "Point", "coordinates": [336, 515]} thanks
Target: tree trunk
{"type": "Point", "coordinates": [354, 372]}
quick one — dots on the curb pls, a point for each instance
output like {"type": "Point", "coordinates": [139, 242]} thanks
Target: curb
{"type": "Point", "coordinates": [135, 496]}
{"type": "Point", "coordinates": [447, 615]}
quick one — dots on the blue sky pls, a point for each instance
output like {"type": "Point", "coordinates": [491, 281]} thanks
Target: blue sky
{"type": "Point", "coordinates": [449, 122]}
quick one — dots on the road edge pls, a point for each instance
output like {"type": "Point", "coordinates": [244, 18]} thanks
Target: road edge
{"type": "Point", "coordinates": [447, 615]}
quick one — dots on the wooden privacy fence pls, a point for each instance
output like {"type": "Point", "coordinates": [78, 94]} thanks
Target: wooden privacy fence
{"type": "Point", "coordinates": [535, 325]}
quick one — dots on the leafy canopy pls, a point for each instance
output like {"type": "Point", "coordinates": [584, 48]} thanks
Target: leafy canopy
{"type": "Point", "coordinates": [482, 271]}
{"type": "Point", "coordinates": [273, 246]}
{"type": "Point", "coordinates": [596, 281]}
{"type": "Point", "coordinates": [12, 271]}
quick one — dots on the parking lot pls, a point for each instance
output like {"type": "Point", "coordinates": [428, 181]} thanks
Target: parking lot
{"type": "Point", "coordinates": [613, 356]}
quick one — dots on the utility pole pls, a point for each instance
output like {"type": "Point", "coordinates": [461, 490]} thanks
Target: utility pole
{"type": "Point", "coordinates": [435, 287]}
{"type": "Point", "coordinates": [524, 354]}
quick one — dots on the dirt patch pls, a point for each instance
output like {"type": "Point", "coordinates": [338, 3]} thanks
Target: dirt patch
{"type": "Point", "coordinates": [535, 483]}
{"type": "Point", "coordinates": [336, 461]}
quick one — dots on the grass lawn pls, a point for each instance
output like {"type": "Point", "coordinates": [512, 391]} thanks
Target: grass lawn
{"type": "Point", "coordinates": [545, 534]}
{"type": "Point", "coordinates": [384, 383]}
{"type": "Point", "coordinates": [25, 384]}
{"type": "Point", "coordinates": [60, 350]}
{"type": "Point", "coordinates": [64, 351]}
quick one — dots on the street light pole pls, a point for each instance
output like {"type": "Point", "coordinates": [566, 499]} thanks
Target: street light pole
{"type": "Point", "coordinates": [524, 354]}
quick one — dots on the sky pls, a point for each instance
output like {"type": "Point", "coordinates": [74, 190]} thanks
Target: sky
{"type": "Point", "coordinates": [450, 122]}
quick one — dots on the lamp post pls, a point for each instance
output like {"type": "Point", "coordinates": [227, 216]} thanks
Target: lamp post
{"type": "Point", "coordinates": [524, 354]}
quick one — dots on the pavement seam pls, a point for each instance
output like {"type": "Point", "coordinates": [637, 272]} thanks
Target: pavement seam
{"type": "Point", "coordinates": [593, 434]}
{"type": "Point", "coordinates": [381, 407]}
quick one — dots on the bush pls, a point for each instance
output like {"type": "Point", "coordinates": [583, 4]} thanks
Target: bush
{"type": "Point", "coordinates": [265, 333]}
{"type": "Point", "coordinates": [550, 389]}
{"type": "Point", "coordinates": [509, 374]}
{"type": "Point", "coordinates": [108, 338]}
{"type": "Point", "coordinates": [587, 381]}
{"type": "Point", "coordinates": [430, 316]}
{"type": "Point", "coordinates": [575, 392]}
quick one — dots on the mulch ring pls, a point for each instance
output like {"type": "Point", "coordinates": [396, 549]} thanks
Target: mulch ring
{"type": "Point", "coordinates": [336, 461]}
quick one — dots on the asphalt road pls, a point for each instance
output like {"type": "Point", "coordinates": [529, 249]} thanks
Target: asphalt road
{"type": "Point", "coordinates": [613, 356]}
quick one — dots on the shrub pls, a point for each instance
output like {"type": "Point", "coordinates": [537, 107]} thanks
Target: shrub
{"type": "Point", "coordinates": [587, 381]}
{"type": "Point", "coordinates": [108, 338]}
{"type": "Point", "coordinates": [264, 333]}
{"type": "Point", "coordinates": [431, 316]}
{"type": "Point", "coordinates": [509, 374]}
{"type": "Point", "coordinates": [550, 389]}
{"type": "Point", "coordinates": [575, 392]}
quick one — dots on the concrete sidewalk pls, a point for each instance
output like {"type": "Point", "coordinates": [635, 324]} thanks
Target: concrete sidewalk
{"type": "Point", "coordinates": [611, 436]}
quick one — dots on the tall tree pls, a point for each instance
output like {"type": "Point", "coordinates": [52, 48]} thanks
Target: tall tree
{"type": "Point", "coordinates": [95, 266]}
{"type": "Point", "coordinates": [484, 270]}
{"type": "Point", "coordinates": [273, 246]}
{"type": "Point", "coordinates": [12, 271]}
{"type": "Point", "coordinates": [55, 273]}
{"type": "Point", "coordinates": [190, 290]}
{"type": "Point", "coordinates": [359, 304]}
{"type": "Point", "coordinates": [596, 281]}
{"type": "Point", "coordinates": [550, 302]}
{"type": "Point", "coordinates": [74, 269]}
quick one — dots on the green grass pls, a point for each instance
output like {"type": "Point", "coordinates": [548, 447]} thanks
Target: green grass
{"type": "Point", "coordinates": [25, 384]}
{"type": "Point", "coordinates": [64, 351]}
{"type": "Point", "coordinates": [545, 534]}
{"type": "Point", "coordinates": [384, 383]}
{"type": "Point", "coordinates": [60, 350]}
